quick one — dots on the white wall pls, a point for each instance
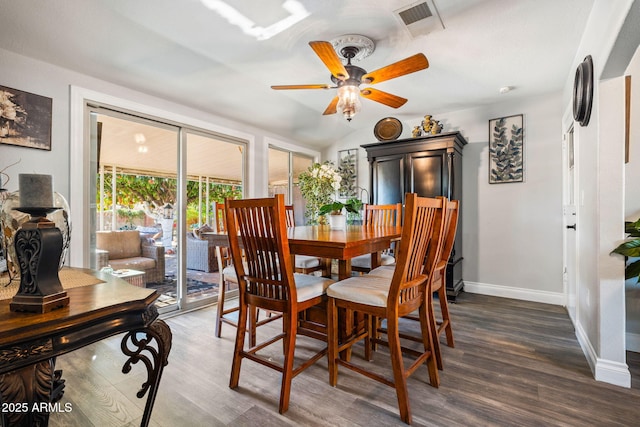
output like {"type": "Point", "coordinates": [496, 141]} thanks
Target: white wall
{"type": "Point", "coordinates": [512, 241]}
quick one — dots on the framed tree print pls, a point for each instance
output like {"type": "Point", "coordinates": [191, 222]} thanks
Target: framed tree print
{"type": "Point", "coordinates": [506, 149]}
{"type": "Point", "coordinates": [348, 170]}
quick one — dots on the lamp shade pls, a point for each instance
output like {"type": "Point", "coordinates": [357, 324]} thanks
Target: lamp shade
{"type": "Point", "coordinates": [349, 101]}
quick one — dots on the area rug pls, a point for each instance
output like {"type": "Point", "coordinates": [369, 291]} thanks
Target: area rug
{"type": "Point", "coordinates": [195, 288]}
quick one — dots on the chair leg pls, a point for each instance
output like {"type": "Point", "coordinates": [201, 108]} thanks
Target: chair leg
{"type": "Point", "coordinates": [287, 373]}
{"type": "Point", "coordinates": [433, 331]}
{"type": "Point", "coordinates": [444, 309]}
{"type": "Point", "coordinates": [239, 347]}
{"type": "Point", "coordinates": [370, 322]}
{"type": "Point", "coordinates": [332, 341]}
{"type": "Point", "coordinates": [428, 338]}
{"type": "Point", "coordinates": [399, 376]}
{"type": "Point", "coordinates": [219, 313]}
{"type": "Point", "coordinates": [253, 321]}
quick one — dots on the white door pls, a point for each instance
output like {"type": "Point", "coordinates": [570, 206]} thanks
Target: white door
{"type": "Point", "coordinates": [570, 223]}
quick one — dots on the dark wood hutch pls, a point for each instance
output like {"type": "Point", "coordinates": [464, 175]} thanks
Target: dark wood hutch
{"type": "Point", "coordinates": [429, 166]}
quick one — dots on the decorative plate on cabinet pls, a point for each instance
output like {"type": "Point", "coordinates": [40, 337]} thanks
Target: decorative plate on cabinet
{"type": "Point", "coordinates": [387, 129]}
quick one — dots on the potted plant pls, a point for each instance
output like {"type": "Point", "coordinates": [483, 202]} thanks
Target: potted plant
{"type": "Point", "coordinates": [337, 220]}
{"type": "Point", "coordinates": [317, 185]}
{"type": "Point", "coordinates": [631, 248]}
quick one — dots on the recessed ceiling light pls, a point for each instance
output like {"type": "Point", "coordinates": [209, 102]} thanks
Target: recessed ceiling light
{"type": "Point", "coordinates": [505, 89]}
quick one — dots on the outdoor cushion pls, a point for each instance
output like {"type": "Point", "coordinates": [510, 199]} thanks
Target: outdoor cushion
{"type": "Point", "coordinates": [133, 263]}
{"type": "Point", "coordinates": [205, 228]}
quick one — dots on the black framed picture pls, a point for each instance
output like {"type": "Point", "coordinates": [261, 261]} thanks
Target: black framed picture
{"type": "Point", "coordinates": [506, 149]}
{"type": "Point", "coordinates": [25, 119]}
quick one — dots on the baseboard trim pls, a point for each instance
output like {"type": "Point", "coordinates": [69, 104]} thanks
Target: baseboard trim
{"type": "Point", "coordinates": [546, 297]}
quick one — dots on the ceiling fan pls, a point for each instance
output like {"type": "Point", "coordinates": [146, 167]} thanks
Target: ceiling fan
{"type": "Point", "coordinates": [348, 78]}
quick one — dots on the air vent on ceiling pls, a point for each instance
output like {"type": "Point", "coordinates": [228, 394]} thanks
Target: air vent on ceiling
{"type": "Point", "coordinates": [420, 18]}
{"type": "Point", "coordinates": [415, 13]}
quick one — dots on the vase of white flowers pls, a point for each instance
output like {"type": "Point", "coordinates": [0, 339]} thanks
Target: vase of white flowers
{"type": "Point", "coordinates": [318, 184]}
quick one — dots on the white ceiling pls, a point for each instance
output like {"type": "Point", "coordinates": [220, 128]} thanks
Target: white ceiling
{"type": "Point", "coordinates": [185, 52]}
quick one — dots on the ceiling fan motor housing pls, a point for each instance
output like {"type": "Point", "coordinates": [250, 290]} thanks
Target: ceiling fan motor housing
{"type": "Point", "coordinates": [355, 76]}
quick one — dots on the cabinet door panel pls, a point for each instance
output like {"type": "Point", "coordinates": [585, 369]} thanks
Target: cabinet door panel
{"type": "Point", "coordinates": [427, 177]}
{"type": "Point", "coordinates": [388, 180]}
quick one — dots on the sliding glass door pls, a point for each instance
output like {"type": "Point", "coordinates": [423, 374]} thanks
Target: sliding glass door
{"type": "Point", "coordinates": [284, 169]}
{"type": "Point", "coordinates": [159, 182]}
{"type": "Point", "coordinates": [214, 172]}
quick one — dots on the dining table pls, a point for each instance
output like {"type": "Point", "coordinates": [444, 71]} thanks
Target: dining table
{"type": "Point", "coordinates": [340, 244]}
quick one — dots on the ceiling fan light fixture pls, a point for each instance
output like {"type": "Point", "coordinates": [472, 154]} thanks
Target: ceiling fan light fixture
{"type": "Point", "coordinates": [349, 101]}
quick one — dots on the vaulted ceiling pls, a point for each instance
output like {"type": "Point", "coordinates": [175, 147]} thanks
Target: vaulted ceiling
{"type": "Point", "coordinates": [194, 53]}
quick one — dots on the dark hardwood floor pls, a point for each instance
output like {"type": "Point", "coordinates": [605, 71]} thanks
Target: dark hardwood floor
{"type": "Point", "coordinates": [515, 364]}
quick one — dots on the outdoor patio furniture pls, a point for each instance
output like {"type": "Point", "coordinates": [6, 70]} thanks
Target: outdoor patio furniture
{"type": "Point", "coordinates": [127, 250]}
{"type": "Point", "coordinates": [201, 254]}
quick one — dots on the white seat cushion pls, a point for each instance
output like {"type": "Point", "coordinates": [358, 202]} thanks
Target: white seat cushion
{"type": "Point", "coordinates": [364, 261]}
{"type": "Point", "coordinates": [305, 261]}
{"type": "Point", "coordinates": [367, 289]}
{"type": "Point", "coordinates": [309, 286]}
{"type": "Point", "coordinates": [385, 271]}
{"type": "Point", "coordinates": [229, 274]}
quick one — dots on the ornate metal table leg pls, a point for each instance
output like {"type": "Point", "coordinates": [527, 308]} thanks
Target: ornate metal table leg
{"type": "Point", "coordinates": [137, 345]}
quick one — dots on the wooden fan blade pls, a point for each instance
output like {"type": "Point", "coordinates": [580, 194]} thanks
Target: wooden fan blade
{"type": "Point", "coordinates": [330, 58]}
{"type": "Point", "coordinates": [331, 109]}
{"type": "Point", "coordinates": [383, 97]}
{"type": "Point", "coordinates": [408, 65]}
{"type": "Point", "coordinates": [283, 87]}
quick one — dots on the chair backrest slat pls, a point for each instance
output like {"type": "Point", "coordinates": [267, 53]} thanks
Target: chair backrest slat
{"type": "Point", "coordinates": [450, 229]}
{"type": "Point", "coordinates": [291, 220]}
{"type": "Point", "coordinates": [379, 215]}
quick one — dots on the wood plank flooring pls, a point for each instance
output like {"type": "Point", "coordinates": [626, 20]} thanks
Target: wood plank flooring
{"type": "Point", "coordinates": [515, 364]}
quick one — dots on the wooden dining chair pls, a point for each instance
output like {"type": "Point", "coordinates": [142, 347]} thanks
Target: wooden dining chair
{"type": "Point", "coordinates": [438, 284]}
{"type": "Point", "coordinates": [227, 277]}
{"type": "Point", "coordinates": [438, 281]}
{"type": "Point", "coordinates": [227, 274]}
{"type": "Point", "coordinates": [304, 263]}
{"type": "Point", "coordinates": [390, 299]}
{"type": "Point", "coordinates": [267, 281]}
{"type": "Point", "coordinates": [378, 215]}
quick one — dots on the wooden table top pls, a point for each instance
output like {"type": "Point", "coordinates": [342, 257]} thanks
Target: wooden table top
{"type": "Point", "coordinates": [96, 310]}
{"type": "Point", "coordinates": [319, 240]}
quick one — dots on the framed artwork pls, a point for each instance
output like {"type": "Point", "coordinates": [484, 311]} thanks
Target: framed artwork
{"type": "Point", "coordinates": [25, 119]}
{"type": "Point", "coordinates": [348, 170]}
{"type": "Point", "coordinates": [506, 149]}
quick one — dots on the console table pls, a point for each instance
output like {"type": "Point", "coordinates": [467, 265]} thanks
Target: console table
{"type": "Point", "coordinates": [30, 343]}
